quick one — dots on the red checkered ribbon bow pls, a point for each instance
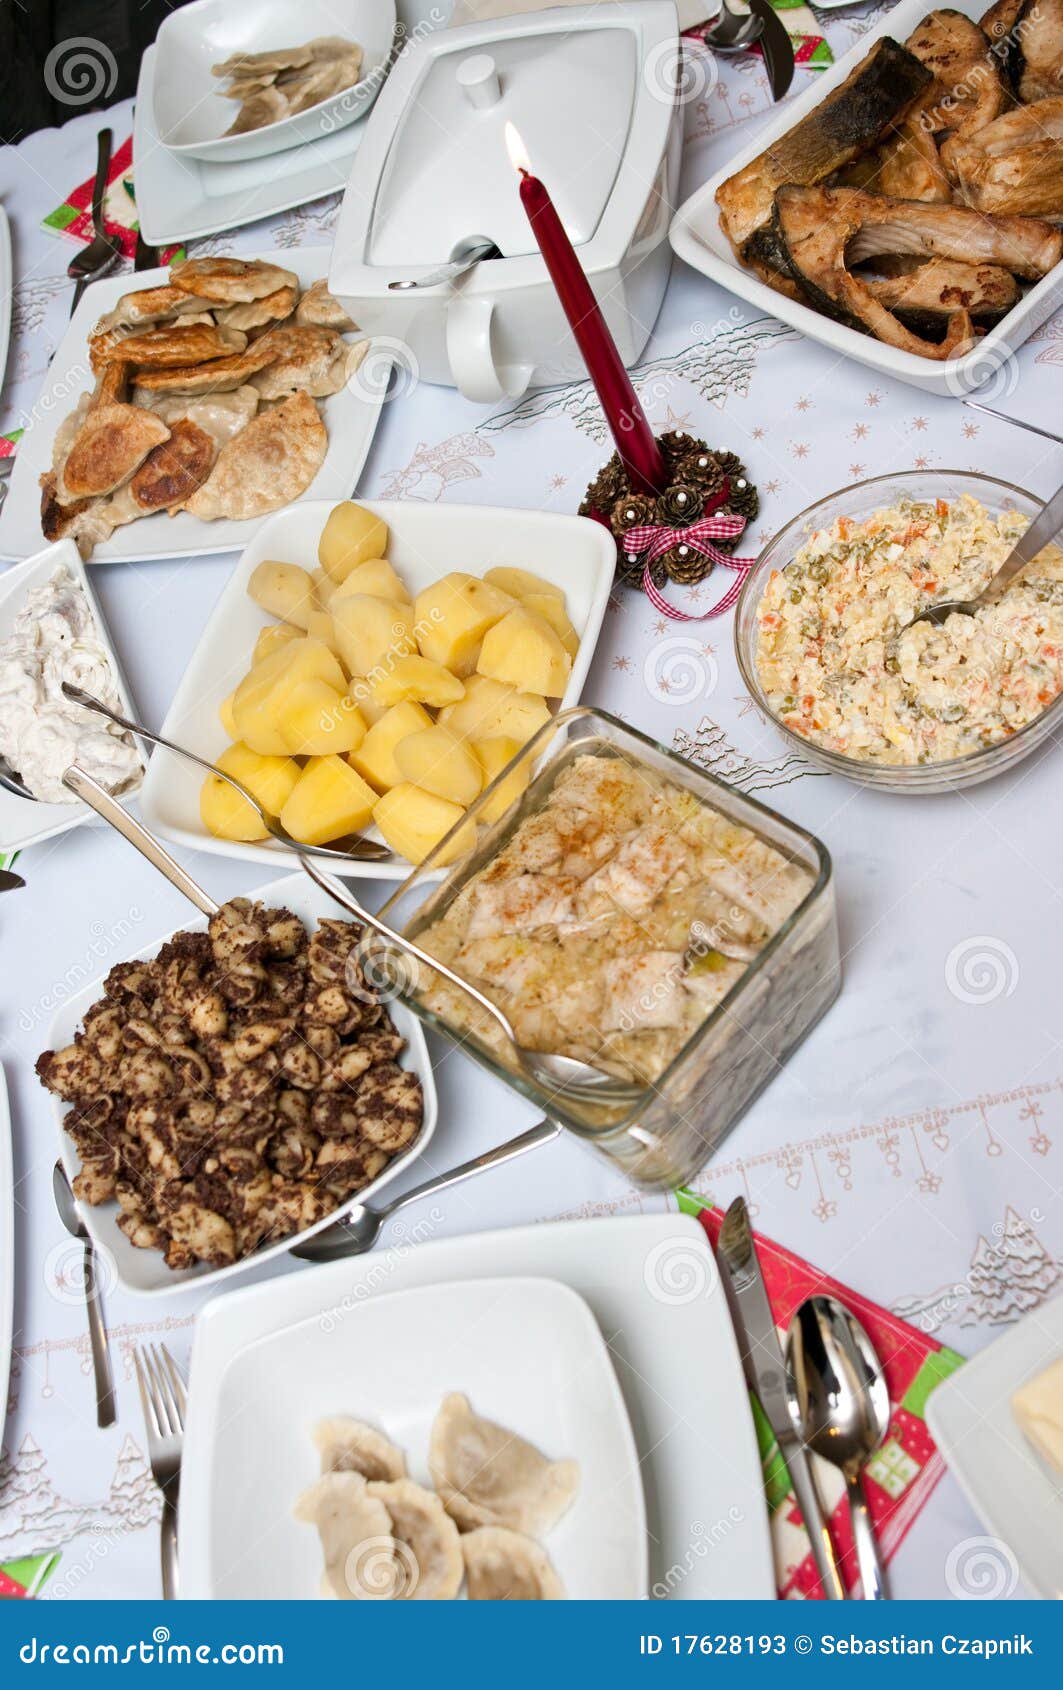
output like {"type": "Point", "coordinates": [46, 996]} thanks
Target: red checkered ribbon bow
{"type": "Point", "coordinates": [650, 543]}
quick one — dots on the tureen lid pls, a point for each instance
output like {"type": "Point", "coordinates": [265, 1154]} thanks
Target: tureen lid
{"type": "Point", "coordinates": [448, 175]}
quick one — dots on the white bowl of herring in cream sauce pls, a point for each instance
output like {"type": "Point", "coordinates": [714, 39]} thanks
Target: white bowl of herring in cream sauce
{"type": "Point", "coordinates": [51, 630]}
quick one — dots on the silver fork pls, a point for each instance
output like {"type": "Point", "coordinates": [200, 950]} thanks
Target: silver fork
{"type": "Point", "coordinates": [162, 1397]}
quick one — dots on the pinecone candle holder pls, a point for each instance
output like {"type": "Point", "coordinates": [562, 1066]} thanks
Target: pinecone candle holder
{"type": "Point", "coordinates": [681, 533]}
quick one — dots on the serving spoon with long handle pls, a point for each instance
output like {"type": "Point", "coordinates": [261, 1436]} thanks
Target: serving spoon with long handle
{"type": "Point", "coordinates": [352, 847]}
{"type": "Point", "coordinates": [1044, 528]}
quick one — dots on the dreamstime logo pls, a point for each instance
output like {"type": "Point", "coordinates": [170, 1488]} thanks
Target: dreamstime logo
{"type": "Point", "coordinates": [378, 972]}
{"type": "Point", "coordinates": [981, 969]}
{"type": "Point", "coordinates": [992, 372]}
{"type": "Point", "coordinates": [981, 1569]}
{"type": "Point", "coordinates": [80, 70]}
{"type": "Point", "coordinates": [678, 1272]}
{"type": "Point", "coordinates": [676, 74]}
{"type": "Point", "coordinates": [388, 371]}
{"type": "Point", "coordinates": [679, 670]}
{"type": "Point", "coordinates": [66, 1273]}
{"type": "Point", "coordinates": [382, 1569]}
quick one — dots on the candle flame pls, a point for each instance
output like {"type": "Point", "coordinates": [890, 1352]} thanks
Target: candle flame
{"type": "Point", "coordinates": [518, 152]}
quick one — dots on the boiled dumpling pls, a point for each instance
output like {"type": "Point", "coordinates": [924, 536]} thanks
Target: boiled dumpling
{"type": "Point", "coordinates": [351, 1446]}
{"type": "Point", "coordinates": [505, 1566]}
{"type": "Point", "coordinates": [361, 1555]}
{"type": "Point", "coordinates": [488, 1476]}
{"type": "Point", "coordinates": [428, 1546]}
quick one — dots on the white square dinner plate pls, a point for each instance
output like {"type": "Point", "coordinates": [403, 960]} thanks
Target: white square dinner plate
{"type": "Point", "coordinates": [7, 1249]}
{"type": "Point", "coordinates": [427, 541]}
{"type": "Point", "coordinates": [670, 1341]}
{"type": "Point", "coordinates": [23, 822]}
{"type": "Point", "coordinates": [184, 199]}
{"type": "Point", "coordinates": [351, 417]}
{"type": "Point", "coordinates": [1013, 1492]}
{"type": "Point", "coordinates": [698, 238]}
{"type": "Point", "coordinates": [527, 1353]}
{"type": "Point", "coordinates": [144, 1271]}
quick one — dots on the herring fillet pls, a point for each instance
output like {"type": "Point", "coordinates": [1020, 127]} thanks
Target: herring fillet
{"type": "Point", "coordinates": [876, 94]}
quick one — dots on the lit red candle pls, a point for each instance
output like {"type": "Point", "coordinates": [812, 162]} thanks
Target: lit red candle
{"type": "Point", "coordinates": [635, 441]}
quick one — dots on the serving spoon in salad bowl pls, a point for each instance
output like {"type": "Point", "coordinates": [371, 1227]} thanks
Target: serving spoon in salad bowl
{"type": "Point", "coordinates": [1043, 529]}
{"type": "Point", "coordinates": [351, 846]}
{"type": "Point", "coordinates": [564, 1076]}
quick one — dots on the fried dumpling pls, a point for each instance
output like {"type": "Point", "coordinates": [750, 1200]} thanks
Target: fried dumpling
{"type": "Point", "coordinates": [108, 448]}
{"type": "Point", "coordinates": [221, 415]}
{"type": "Point", "coordinates": [268, 464]}
{"type": "Point", "coordinates": [504, 1566]}
{"type": "Point", "coordinates": [228, 281]}
{"type": "Point", "coordinates": [355, 1532]}
{"type": "Point", "coordinates": [170, 347]}
{"type": "Point", "coordinates": [428, 1545]}
{"type": "Point", "coordinates": [267, 105]}
{"type": "Point", "coordinates": [265, 64]}
{"type": "Point", "coordinates": [304, 360]}
{"type": "Point", "coordinates": [488, 1476]}
{"type": "Point", "coordinates": [256, 313]}
{"type": "Point", "coordinates": [322, 310]}
{"type": "Point", "coordinates": [351, 1446]}
{"type": "Point", "coordinates": [175, 469]}
{"type": "Point", "coordinates": [221, 375]}
{"type": "Point", "coordinates": [147, 306]}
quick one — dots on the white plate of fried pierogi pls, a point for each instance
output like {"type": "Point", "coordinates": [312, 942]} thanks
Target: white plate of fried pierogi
{"type": "Point", "coordinates": [184, 405]}
{"type": "Point", "coordinates": [459, 1440]}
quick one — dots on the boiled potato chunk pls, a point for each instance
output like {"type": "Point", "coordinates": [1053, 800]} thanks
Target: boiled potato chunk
{"type": "Point", "coordinates": [259, 700]}
{"type": "Point", "coordinates": [319, 627]}
{"type": "Point", "coordinates": [492, 756]}
{"type": "Point", "coordinates": [375, 757]}
{"type": "Point", "coordinates": [375, 576]}
{"type": "Point", "coordinates": [285, 590]}
{"type": "Point", "coordinates": [350, 535]}
{"type": "Point", "coordinates": [414, 821]}
{"type": "Point", "coordinates": [419, 678]}
{"type": "Point", "coordinates": [452, 617]}
{"type": "Point", "coordinates": [316, 720]}
{"type": "Point", "coordinates": [324, 585]}
{"type": "Point", "coordinates": [226, 717]}
{"type": "Point", "coordinates": [328, 800]}
{"type": "Point", "coordinates": [371, 632]}
{"type": "Point", "coordinates": [269, 779]}
{"type": "Point", "coordinates": [489, 708]}
{"type": "Point", "coordinates": [525, 652]}
{"type": "Point", "coordinates": [272, 638]}
{"type": "Point", "coordinates": [438, 761]}
{"type": "Point", "coordinates": [552, 610]}
{"type": "Point", "coordinates": [359, 690]}
{"type": "Point", "coordinates": [520, 582]}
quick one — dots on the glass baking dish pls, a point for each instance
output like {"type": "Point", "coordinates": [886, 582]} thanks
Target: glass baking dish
{"type": "Point", "coordinates": [677, 1122]}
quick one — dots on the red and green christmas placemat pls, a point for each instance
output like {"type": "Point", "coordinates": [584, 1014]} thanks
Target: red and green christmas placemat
{"type": "Point", "coordinates": [74, 216]}
{"type": "Point", "coordinates": [902, 1475]}
{"type": "Point", "coordinates": [25, 1576]}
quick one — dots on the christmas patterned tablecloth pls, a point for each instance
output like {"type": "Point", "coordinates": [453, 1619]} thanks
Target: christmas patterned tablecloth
{"type": "Point", "coordinates": [912, 1148]}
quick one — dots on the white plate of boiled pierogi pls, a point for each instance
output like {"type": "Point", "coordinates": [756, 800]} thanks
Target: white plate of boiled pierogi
{"type": "Point", "coordinates": [459, 1439]}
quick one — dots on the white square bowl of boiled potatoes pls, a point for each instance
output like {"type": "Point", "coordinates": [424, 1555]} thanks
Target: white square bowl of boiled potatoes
{"type": "Point", "coordinates": [370, 667]}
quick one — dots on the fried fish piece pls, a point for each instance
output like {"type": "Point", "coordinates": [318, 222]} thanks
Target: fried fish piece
{"type": "Point", "coordinates": [109, 447]}
{"type": "Point", "coordinates": [322, 310]}
{"type": "Point", "coordinates": [969, 88]}
{"type": "Point", "coordinates": [1014, 164]}
{"type": "Point", "coordinates": [304, 359]}
{"type": "Point", "coordinates": [171, 347]}
{"type": "Point", "coordinates": [268, 464]}
{"type": "Point", "coordinates": [256, 313]}
{"type": "Point", "coordinates": [219, 376]}
{"type": "Point", "coordinates": [175, 469]}
{"type": "Point", "coordinates": [230, 281]}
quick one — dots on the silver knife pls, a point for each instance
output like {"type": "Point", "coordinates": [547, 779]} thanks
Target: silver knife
{"type": "Point", "coordinates": [776, 46]}
{"type": "Point", "coordinates": [765, 1371]}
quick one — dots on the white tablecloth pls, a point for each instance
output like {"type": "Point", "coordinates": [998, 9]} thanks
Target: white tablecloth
{"type": "Point", "coordinates": [913, 1146]}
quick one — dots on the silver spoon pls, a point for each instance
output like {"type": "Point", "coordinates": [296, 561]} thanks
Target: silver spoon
{"type": "Point", "coordinates": [842, 1405]}
{"type": "Point", "coordinates": [1044, 528]}
{"type": "Point", "coordinates": [563, 1075]}
{"type": "Point", "coordinates": [70, 1216]}
{"type": "Point", "coordinates": [352, 846]}
{"type": "Point", "coordinates": [361, 1226]}
{"type": "Point", "coordinates": [463, 256]}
